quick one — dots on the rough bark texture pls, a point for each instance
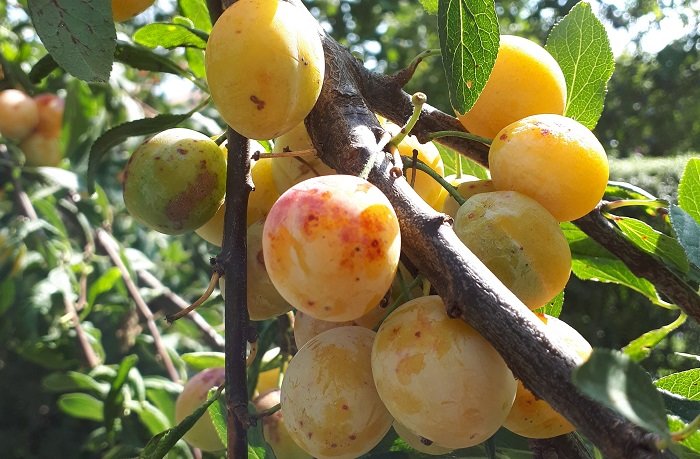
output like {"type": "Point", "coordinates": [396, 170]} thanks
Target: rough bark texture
{"type": "Point", "coordinates": [346, 134]}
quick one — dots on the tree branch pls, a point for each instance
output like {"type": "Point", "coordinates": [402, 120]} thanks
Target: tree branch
{"type": "Point", "coordinates": [561, 447]}
{"type": "Point", "coordinates": [469, 290]}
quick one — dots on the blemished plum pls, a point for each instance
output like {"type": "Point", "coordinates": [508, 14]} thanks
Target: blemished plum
{"type": "Point", "coordinates": [176, 181]}
{"type": "Point", "coordinates": [553, 159]}
{"type": "Point", "coordinates": [275, 429]}
{"type": "Point", "coordinates": [438, 377]}
{"type": "Point", "coordinates": [525, 80]}
{"type": "Point", "coordinates": [329, 401]}
{"type": "Point", "coordinates": [532, 417]}
{"type": "Point", "coordinates": [203, 434]}
{"type": "Point", "coordinates": [519, 241]}
{"type": "Point", "coordinates": [328, 236]}
{"type": "Point", "coordinates": [279, 66]}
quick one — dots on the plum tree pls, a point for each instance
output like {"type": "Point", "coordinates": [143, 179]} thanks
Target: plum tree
{"type": "Point", "coordinates": [519, 241]}
{"type": "Point", "coordinates": [532, 417]}
{"type": "Point", "coordinates": [329, 401]}
{"type": "Point", "coordinates": [264, 98]}
{"type": "Point", "coordinates": [553, 159]}
{"type": "Point", "coordinates": [175, 181]}
{"type": "Point", "coordinates": [525, 80]}
{"type": "Point", "coordinates": [19, 114]}
{"type": "Point", "coordinates": [275, 429]}
{"type": "Point", "coordinates": [327, 236]}
{"type": "Point", "coordinates": [418, 349]}
{"type": "Point", "coordinates": [123, 10]}
{"type": "Point", "coordinates": [202, 435]}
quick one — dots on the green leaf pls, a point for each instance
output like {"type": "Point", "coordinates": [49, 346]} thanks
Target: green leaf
{"type": "Point", "coordinates": [81, 406]}
{"type": "Point", "coordinates": [554, 307]}
{"type": "Point", "coordinates": [653, 242]}
{"type": "Point", "coordinates": [687, 230]}
{"type": "Point", "coordinates": [143, 58]}
{"type": "Point", "coordinates": [689, 189]}
{"type": "Point", "coordinates": [680, 406]}
{"type": "Point", "coordinates": [118, 134]}
{"type": "Point", "coordinates": [103, 284]}
{"type": "Point", "coordinates": [685, 383]}
{"type": "Point", "coordinates": [256, 439]}
{"type": "Point", "coordinates": [692, 442]}
{"type": "Point", "coordinates": [469, 167]}
{"type": "Point", "coordinates": [581, 46]}
{"type": "Point", "coordinates": [203, 360]}
{"type": "Point", "coordinates": [7, 294]}
{"type": "Point", "coordinates": [640, 348]}
{"type": "Point", "coordinates": [430, 6]}
{"type": "Point", "coordinates": [170, 36]}
{"type": "Point", "coordinates": [115, 398]}
{"type": "Point", "coordinates": [79, 35]}
{"type": "Point", "coordinates": [197, 12]}
{"type": "Point", "coordinates": [469, 41]}
{"type": "Point", "coordinates": [158, 446]}
{"type": "Point", "coordinates": [195, 62]}
{"type": "Point", "coordinates": [152, 418]}
{"type": "Point", "coordinates": [218, 419]}
{"type": "Point", "coordinates": [42, 68]}
{"type": "Point", "coordinates": [609, 270]}
{"type": "Point", "coordinates": [71, 381]}
{"type": "Point", "coordinates": [613, 379]}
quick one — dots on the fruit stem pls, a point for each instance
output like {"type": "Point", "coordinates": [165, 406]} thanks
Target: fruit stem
{"type": "Point", "coordinates": [418, 164]}
{"type": "Point", "coordinates": [651, 203]}
{"type": "Point", "coordinates": [686, 431]}
{"type": "Point", "coordinates": [205, 296]}
{"type": "Point", "coordinates": [267, 412]}
{"type": "Point", "coordinates": [460, 134]}
{"type": "Point", "coordinates": [418, 99]}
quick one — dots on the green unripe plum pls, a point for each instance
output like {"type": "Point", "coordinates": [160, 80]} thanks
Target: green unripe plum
{"type": "Point", "coordinates": [553, 159]}
{"type": "Point", "coordinates": [519, 241]}
{"type": "Point", "coordinates": [19, 114]}
{"type": "Point", "coordinates": [525, 80]}
{"type": "Point", "coordinates": [176, 181]}
{"type": "Point", "coordinates": [279, 66]}
{"type": "Point", "coordinates": [329, 401]}
{"type": "Point", "coordinates": [328, 236]}
{"type": "Point", "coordinates": [438, 377]}
{"type": "Point", "coordinates": [202, 435]}
{"type": "Point", "coordinates": [275, 430]}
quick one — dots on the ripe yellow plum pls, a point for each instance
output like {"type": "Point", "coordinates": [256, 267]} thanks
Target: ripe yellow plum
{"type": "Point", "coordinates": [329, 401]}
{"type": "Point", "coordinates": [264, 301]}
{"type": "Point", "coordinates": [418, 443]}
{"type": "Point", "coordinates": [532, 417]}
{"type": "Point", "coordinates": [553, 159]}
{"type": "Point", "coordinates": [519, 241]}
{"type": "Point", "coordinates": [19, 114]}
{"type": "Point", "coordinates": [202, 435]}
{"type": "Point", "coordinates": [279, 66]}
{"type": "Point", "coordinates": [123, 10]}
{"type": "Point", "coordinates": [467, 186]}
{"type": "Point", "coordinates": [306, 327]}
{"type": "Point", "coordinates": [260, 201]}
{"type": "Point", "coordinates": [438, 377]}
{"type": "Point", "coordinates": [328, 236]}
{"type": "Point", "coordinates": [41, 150]}
{"type": "Point", "coordinates": [275, 430]}
{"type": "Point", "coordinates": [50, 108]}
{"type": "Point", "coordinates": [175, 182]}
{"type": "Point", "coordinates": [525, 80]}
{"type": "Point", "coordinates": [287, 172]}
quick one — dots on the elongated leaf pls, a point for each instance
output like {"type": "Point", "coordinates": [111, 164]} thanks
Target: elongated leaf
{"type": "Point", "coordinates": [653, 242]}
{"type": "Point", "coordinates": [197, 12]}
{"type": "Point", "coordinates": [469, 41]}
{"type": "Point", "coordinates": [203, 360]}
{"type": "Point", "coordinates": [687, 230]}
{"type": "Point", "coordinates": [469, 167]}
{"type": "Point", "coordinates": [170, 36]}
{"type": "Point", "coordinates": [42, 68]}
{"type": "Point", "coordinates": [115, 397]}
{"type": "Point", "coordinates": [158, 446]}
{"type": "Point", "coordinates": [689, 189]}
{"type": "Point", "coordinates": [640, 348]}
{"type": "Point", "coordinates": [118, 134]}
{"type": "Point", "coordinates": [143, 58]}
{"type": "Point", "coordinates": [218, 418]}
{"type": "Point", "coordinates": [79, 35]}
{"type": "Point", "coordinates": [613, 379]}
{"type": "Point", "coordinates": [152, 418]}
{"type": "Point", "coordinates": [256, 439]}
{"type": "Point", "coordinates": [71, 381]}
{"type": "Point", "coordinates": [680, 406]}
{"type": "Point", "coordinates": [581, 46]}
{"type": "Point", "coordinates": [430, 6]}
{"type": "Point", "coordinates": [81, 406]}
{"type": "Point", "coordinates": [554, 307]}
{"type": "Point", "coordinates": [609, 270]}
{"type": "Point", "coordinates": [103, 284]}
{"type": "Point", "coordinates": [7, 294]}
{"type": "Point", "coordinates": [692, 442]}
{"type": "Point", "coordinates": [685, 383]}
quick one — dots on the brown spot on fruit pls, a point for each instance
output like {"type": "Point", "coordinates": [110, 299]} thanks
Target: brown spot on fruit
{"type": "Point", "coordinates": [503, 137]}
{"type": "Point", "coordinates": [181, 206]}
{"type": "Point", "coordinates": [259, 104]}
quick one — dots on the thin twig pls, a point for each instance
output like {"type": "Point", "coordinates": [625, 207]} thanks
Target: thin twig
{"type": "Point", "coordinates": [90, 357]}
{"type": "Point", "coordinates": [111, 247]}
{"type": "Point", "coordinates": [213, 283]}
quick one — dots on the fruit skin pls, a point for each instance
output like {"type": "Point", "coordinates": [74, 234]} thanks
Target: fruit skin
{"type": "Point", "coordinates": [415, 441]}
{"type": "Point", "coordinates": [525, 80]}
{"type": "Point", "coordinates": [175, 182]}
{"type": "Point", "coordinates": [519, 241]}
{"type": "Point", "coordinates": [41, 150]}
{"type": "Point", "coordinates": [275, 430]}
{"type": "Point", "coordinates": [438, 377]}
{"type": "Point", "coordinates": [467, 186]}
{"type": "Point", "coordinates": [553, 159]}
{"type": "Point", "coordinates": [328, 236]}
{"type": "Point", "coordinates": [306, 327]}
{"type": "Point", "coordinates": [19, 114]}
{"type": "Point", "coordinates": [123, 10]}
{"type": "Point", "coordinates": [279, 66]}
{"type": "Point", "coordinates": [202, 435]}
{"type": "Point", "coordinates": [330, 404]}
{"type": "Point", "coordinates": [532, 417]}
{"type": "Point", "coordinates": [263, 300]}
{"type": "Point", "coordinates": [51, 108]}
